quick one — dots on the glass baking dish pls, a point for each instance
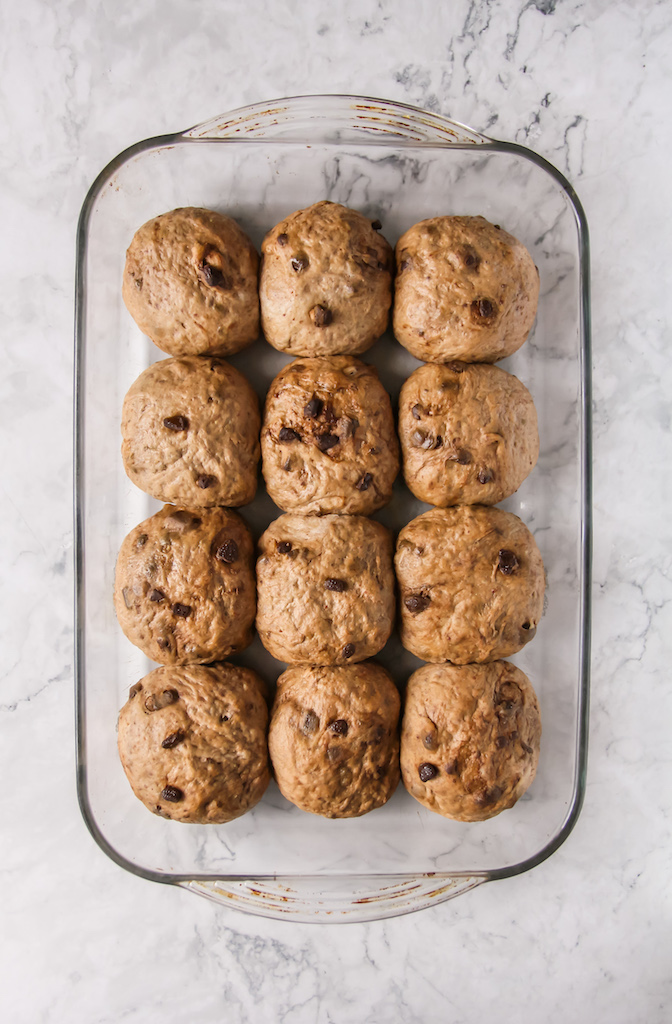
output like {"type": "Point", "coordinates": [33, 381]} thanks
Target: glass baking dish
{"type": "Point", "coordinates": [398, 164]}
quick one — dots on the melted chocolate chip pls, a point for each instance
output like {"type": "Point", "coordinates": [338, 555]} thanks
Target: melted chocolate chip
{"type": "Point", "coordinates": [501, 742]}
{"type": "Point", "coordinates": [405, 265]}
{"type": "Point", "coordinates": [163, 642]}
{"type": "Point", "coordinates": [173, 739]}
{"type": "Point", "coordinates": [339, 586]}
{"type": "Point", "coordinates": [284, 546]}
{"type": "Point", "coordinates": [376, 225]}
{"type": "Point", "coordinates": [427, 771]}
{"type": "Point", "coordinates": [339, 727]}
{"type": "Point", "coordinates": [227, 552]}
{"type": "Point", "coordinates": [157, 701]}
{"type": "Point", "coordinates": [508, 563]}
{"type": "Point", "coordinates": [310, 722]}
{"type": "Point", "coordinates": [429, 741]}
{"type": "Point", "coordinates": [321, 316]}
{"type": "Point", "coordinates": [213, 276]}
{"type": "Point", "coordinates": [313, 408]}
{"type": "Point", "coordinates": [327, 441]}
{"type": "Point", "coordinates": [451, 767]}
{"type": "Point", "coordinates": [286, 434]}
{"type": "Point", "coordinates": [486, 476]}
{"type": "Point", "coordinates": [419, 439]}
{"type": "Point", "coordinates": [416, 412]}
{"type": "Point", "coordinates": [364, 482]}
{"type": "Point", "coordinates": [176, 423]}
{"type": "Point", "coordinates": [204, 481]}
{"type": "Point", "coordinates": [461, 456]}
{"type": "Point", "coordinates": [134, 690]}
{"type": "Point", "coordinates": [282, 238]}
{"type": "Point", "coordinates": [172, 794]}
{"type": "Point", "coordinates": [526, 747]}
{"type": "Point", "coordinates": [156, 595]}
{"type": "Point", "coordinates": [299, 263]}
{"type": "Point", "coordinates": [141, 541]}
{"type": "Point", "coordinates": [183, 611]}
{"type": "Point", "coordinates": [483, 309]}
{"type": "Point", "coordinates": [470, 258]}
{"type": "Point", "coordinates": [348, 650]}
{"type": "Point", "coordinates": [417, 602]}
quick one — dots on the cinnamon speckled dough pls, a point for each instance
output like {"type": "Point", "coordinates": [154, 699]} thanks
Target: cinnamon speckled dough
{"type": "Point", "coordinates": [326, 282]}
{"type": "Point", "coordinates": [192, 741]}
{"type": "Point", "coordinates": [333, 738]}
{"type": "Point", "coordinates": [184, 588]}
{"type": "Point", "coordinates": [470, 738]}
{"type": "Point", "coordinates": [190, 283]}
{"type": "Point", "coordinates": [190, 429]}
{"type": "Point", "coordinates": [465, 289]}
{"type": "Point", "coordinates": [328, 440]}
{"type": "Point", "coordinates": [468, 433]}
{"type": "Point", "coordinates": [471, 584]}
{"type": "Point", "coordinates": [325, 589]}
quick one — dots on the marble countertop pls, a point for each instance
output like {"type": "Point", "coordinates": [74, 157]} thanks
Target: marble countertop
{"type": "Point", "coordinates": [584, 936]}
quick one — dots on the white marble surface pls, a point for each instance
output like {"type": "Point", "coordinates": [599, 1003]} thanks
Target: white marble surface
{"type": "Point", "coordinates": [585, 936]}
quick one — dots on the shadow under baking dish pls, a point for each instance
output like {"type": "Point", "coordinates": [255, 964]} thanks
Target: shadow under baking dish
{"type": "Point", "coordinates": [400, 165]}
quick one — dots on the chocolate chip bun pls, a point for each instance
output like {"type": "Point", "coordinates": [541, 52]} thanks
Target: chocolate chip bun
{"type": "Point", "coordinates": [465, 289]}
{"type": "Point", "coordinates": [190, 429]}
{"type": "Point", "coordinates": [328, 441]}
{"type": "Point", "coordinates": [471, 584]}
{"type": "Point", "coordinates": [470, 738]}
{"type": "Point", "coordinates": [326, 282]}
{"type": "Point", "coordinates": [192, 741]}
{"type": "Point", "coordinates": [468, 433]}
{"type": "Point", "coordinates": [190, 283]}
{"type": "Point", "coordinates": [333, 738]}
{"type": "Point", "coordinates": [184, 588]}
{"type": "Point", "coordinates": [325, 589]}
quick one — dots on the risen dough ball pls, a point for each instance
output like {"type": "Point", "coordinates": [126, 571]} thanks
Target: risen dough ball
{"type": "Point", "coordinates": [470, 738]}
{"type": "Point", "coordinates": [465, 289]}
{"type": "Point", "coordinates": [328, 440]}
{"type": "Point", "coordinates": [326, 282]}
{"type": "Point", "coordinates": [190, 283]}
{"type": "Point", "coordinates": [333, 738]}
{"type": "Point", "coordinates": [192, 741]}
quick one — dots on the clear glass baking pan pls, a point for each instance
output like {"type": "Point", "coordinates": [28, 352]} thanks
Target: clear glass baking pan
{"type": "Point", "coordinates": [397, 164]}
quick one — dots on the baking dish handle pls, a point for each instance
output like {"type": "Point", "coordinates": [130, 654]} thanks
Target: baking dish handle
{"type": "Point", "coordinates": [335, 119]}
{"type": "Point", "coordinates": [336, 899]}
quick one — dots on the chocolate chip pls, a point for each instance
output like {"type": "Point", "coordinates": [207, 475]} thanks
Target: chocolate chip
{"type": "Point", "coordinates": [526, 747]}
{"type": "Point", "coordinates": [128, 597]}
{"type": "Point", "coordinates": [487, 796]}
{"type": "Point", "coordinates": [156, 595]}
{"type": "Point", "coordinates": [470, 258]}
{"type": "Point", "coordinates": [501, 742]}
{"type": "Point", "coordinates": [176, 423]}
{"type": "Point", "coordinates": [183, 611]}
{"type": "Point", "coordinates": [339, 727]}
{"type": "Point", "coordinates": [310, 722]}
{"type": "Point", "coordinates": [287, 464]}
{"type": "Point", "coordinates": [451, 767]}
{"type": "Point", "coordinates": [486, 476]}
{"type": "Point", "coordinates": [348, 650]}
{"type": "Point", "coordinates": [364, 482]}
{"type": "Point", "coordinates": [283, 546]}
{"type": "Point", "coordinates": [299, 263]}
{"type": "Point", "coordinates": [163, 642]}
{"type": "Point", "coordinates": [157, 701]}
{"type": "Point", "coordinates": [417, 602]}
{"type": "Point", "coordinates": [339, 586]}
{"type": "Point", "coordinates": [213, 276]}
{"type": "Point", "coordinates": [456, 367]}
{"type": "Point", "coordinates": [376, 225]}
{"type": "Point", "coordinates": [172, 794]}
{"type": "Point", "coordinates": [419, 439]}
{"type": "Point", "coordinates": [327, 441]}
{"type": "Point", "coordinates": [313, 408]}
{"type": "Point", "coordinates": [526, 625]}
{"type": "Point", "coordinates": [329, 415]}
{"type": "Point", "coordinates": [483, 309]}
{"type": "Point", "coordinates": [141, 541]}
{"type": "Point", "coordinates": [227, 552]}
{"type": "Point", "coordinates": [173, 739]}
{"type": "Point", "coordinates": [498, 227]}
{"type": "Point", "coordinates": [204, 481]}
{"type": "Point", "coordinates": [321, 316]}
{"type": "Point", "coordinates": [282, 238]}
{"type": "Point", "coordinates": [286, 434]}
{"type": "Point", "coordinates": [135, 689]}
{"type": "Point", "coordinates": [461, 456]}
{"type": "Point", "coordinates": [427, 771]}
{"type": "Point", "coordinates": [351, 425]}
{"type": "Point", "coordinates": [508, 563]}
{"type": "Point", "coordinates": [416, 412]}
{"type": "Point", "coordinates": [439, 441]}
{"type": "Point", "coordinates": [405, 264]}
{"type": "Point", "coordinates": [430, 741]}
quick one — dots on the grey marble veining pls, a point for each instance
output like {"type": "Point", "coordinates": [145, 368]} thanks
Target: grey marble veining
{"type": "Point", "coordinates": [585, 936]}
